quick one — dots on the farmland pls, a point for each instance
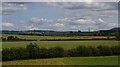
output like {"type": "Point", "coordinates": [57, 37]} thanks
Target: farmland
{"type": "Point", "coordinates": [63, 44]}
{"type": "Point", "coordinates": [108, 60]}
{"type": "Point", "coordinates": [55, 37]}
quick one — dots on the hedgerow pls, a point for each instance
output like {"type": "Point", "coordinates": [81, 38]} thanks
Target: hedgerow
{"type": "Point", "coordinates": [33, 51]}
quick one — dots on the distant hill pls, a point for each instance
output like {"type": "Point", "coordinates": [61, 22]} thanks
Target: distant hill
{"type": "Point", "coordinates": [116, 29]}
{"type": "Point", "coordinates": [63, 33]}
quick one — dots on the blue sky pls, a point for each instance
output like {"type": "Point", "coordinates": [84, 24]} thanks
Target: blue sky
{"type": "Point", "coordinates": [59, 16]}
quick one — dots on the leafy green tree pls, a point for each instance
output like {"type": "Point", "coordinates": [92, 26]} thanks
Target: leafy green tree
{"type": "Point", "coordinates": [83, 51]}
{"type": "Point", "coordinates": [73, 53]}
{"type": "Point", "coordinates": [43, 53]}
{"type": "Point", "coordinates": [118, 35]}
{"type": "Point", "coordinates": [33, 50]}
{"type": "Point", "coordinates": [55, 52]}
{"type": "Point", "coordinates": [10, 38]}
{"type": "Point", "coordinates": [95, 51]}
{"type": "Point", "coordinates": [104, 50]}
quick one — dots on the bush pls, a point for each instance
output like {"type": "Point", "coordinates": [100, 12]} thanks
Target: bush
{"type": "Point", "coordinates": [72, 53]}
{"type": "Point", "coordinates": [95, 51]}
{"type": "Point", "coordinates": [33, 51]}
{"type": "Point", "coordinates": [43, 53]}
{"type": "Point", "coordinates": [104, 50]}
{"type": "Point", "coordinates": [115, 50]}
{"type": "Point", "coordinates": [15, 38]}
{"type": "Point", "coordinates": [84, 51]}
{"type": "Point", "coordinates": [55, 52]}
{"type": "Point", "coordinates": [14, 54]}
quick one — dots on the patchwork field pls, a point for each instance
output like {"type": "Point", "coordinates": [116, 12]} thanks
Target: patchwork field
{"type": "Point", "coordinates": [107, 60]}
{"type": "Point", "coordinates": [54, 37]}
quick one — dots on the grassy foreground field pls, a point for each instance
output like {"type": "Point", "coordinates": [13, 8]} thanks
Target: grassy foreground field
{"type": "Point", "coordinates": [106, 60]}
{"type": "Point", "coordinates": [63, 44]}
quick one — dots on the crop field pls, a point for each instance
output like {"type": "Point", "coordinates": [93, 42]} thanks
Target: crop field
{"type": "Point", "coordinates": [106, 60]}
{"type": "Point", "coordinates": [54, 37]}
{"type": "Point", "coordinates": [63, 44]}
{"type": "Point", "coordinates": [36, 37]}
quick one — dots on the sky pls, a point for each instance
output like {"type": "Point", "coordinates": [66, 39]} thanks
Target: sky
{"type": "Point", "coordinates": [59, 16]}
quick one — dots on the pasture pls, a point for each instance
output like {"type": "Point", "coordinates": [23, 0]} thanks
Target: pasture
{"type": "Point", "coordinates": [106, 60]}
{"type": "Point", "coordinates": [100, 60]}
{"type": "Point", "coordinates": [63, 44]}
{"type": "Point", "coordinates": [55, 37]}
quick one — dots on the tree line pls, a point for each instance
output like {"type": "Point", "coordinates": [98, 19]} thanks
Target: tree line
{"type": "Point", "coordinates": [33, 51]}
{"type": "Point", "coordinates": [77, 39]}
{"type": "Point", "coordinates": [15, 38]}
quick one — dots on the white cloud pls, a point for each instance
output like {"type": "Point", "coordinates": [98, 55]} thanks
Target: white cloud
{"type": "Point", "coordinates": [76, 21]}
{"type": "Point", "coordinates": [32, 27]}
{"type": "Point", "coordinates": [60, 0]}
{"type": "Point", "coordinates": [84, 5]}
{"type": "Point", "coordinates": [100, 20]}
{"type": "Point", "coordinates": [69, 24]}
{"type": "Point", "coordinates": [10, 8]}
{"type": "Point", "coordinates": [104, 9]}
{"type": "Point", "coordinates": [59, 25]}
{"type": "Point", "coordinates": [39, 20]}
{"type": "Point", "coordinates": [7, 24]}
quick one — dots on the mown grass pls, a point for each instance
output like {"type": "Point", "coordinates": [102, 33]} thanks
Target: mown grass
{"type": "Point", "coordinates": [106, 60]}
{"type": "Point", "coordinates": [63, 44]}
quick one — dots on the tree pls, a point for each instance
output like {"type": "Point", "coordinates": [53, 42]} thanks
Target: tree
{"type": "Point", "coordinates": [43, 53]}
{"type": "Point", "coordinates": [79, 30]}
{"type": "Point", "coordinates": [33, 50]}
{"type": "Point", "coordinates": [84, 51]}
{"type": "Point", "coordinates": [56, 52]}
{"type": "Point", "coordinates": [95, 51]}
{"type": "Point", "coordinates": [117, 35]}
{"type": "Point", "coordinates": [104, 50]}
{"type": "Point", "coordinates": [10, 38]}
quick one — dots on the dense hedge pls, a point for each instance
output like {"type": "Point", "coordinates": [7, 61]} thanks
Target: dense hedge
{"type": "Point", "coordinates": [33, 51]}
{"type": "Point", "coordinates": [15, 38]}
{"type": "Point", "coordinates": [77, 39]}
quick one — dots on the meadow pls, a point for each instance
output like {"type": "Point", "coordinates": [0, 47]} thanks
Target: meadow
{"type": "Point", "coordinates": [106, 60]}
{"type": "Point", "coordinates": [63, 44]}
{"type": "Point", "coordinates": [54, 37]}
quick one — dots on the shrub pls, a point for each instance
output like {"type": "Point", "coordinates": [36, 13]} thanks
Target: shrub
{"type": "Point", "coordinates": [104, 50]}
{"type": "Point", "coordinates": [55, 52]}
{"type": "Point", "coordinates": [33, 51]}
{"type": "Point", "coordinates": [73, 53]}
{"type": "Point", "coordinates": [95, 51]}
{"type": "Point", "coordinates": [43, 53]}
{"type": "Point", "coordinates": [83, 51]}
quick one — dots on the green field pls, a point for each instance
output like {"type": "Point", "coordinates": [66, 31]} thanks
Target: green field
{"type": "Point", "coordinates": [37, 37]}
{"type": "Point", "coordinates": [107, 60]}
{"type": "Point", "coordinates": [54, 37]}
{"type": "Point", "coordinates": [64, 44]}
